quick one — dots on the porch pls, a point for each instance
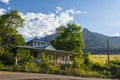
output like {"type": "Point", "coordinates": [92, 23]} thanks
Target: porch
{"type": "Point", "coordinates": [56, 56]}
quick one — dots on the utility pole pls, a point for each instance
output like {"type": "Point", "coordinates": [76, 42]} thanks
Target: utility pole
{"type": "Point", "coordinates": [108, 55]}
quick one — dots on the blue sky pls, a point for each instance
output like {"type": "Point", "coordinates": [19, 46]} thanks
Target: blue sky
{"type": "Point", "coordinates": [42, 17]}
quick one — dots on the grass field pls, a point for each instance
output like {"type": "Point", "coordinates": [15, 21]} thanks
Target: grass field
{"type": "Point", "coordinates": [103, 58]}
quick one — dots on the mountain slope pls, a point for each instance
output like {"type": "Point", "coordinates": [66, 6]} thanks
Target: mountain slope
{"type": "Point", "coordinates": [48, 38]}
{"type": "Point", "coordinates": [96, 40]}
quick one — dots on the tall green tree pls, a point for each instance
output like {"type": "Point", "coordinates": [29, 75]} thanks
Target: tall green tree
{"type": "Point", "coordinates": [69, 38]}
{"type": "Point", "coordinates": [9, 23]}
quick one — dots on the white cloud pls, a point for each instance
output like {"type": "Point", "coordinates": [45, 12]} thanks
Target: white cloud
{"type": "Point", "coordinates": [5, 1]}
{"type": "Point", "coordinates": [39, 24]}
{"type": "Point", "coordinates": [2, 11]}
{"type": "Point", "coordinates": [73, 11]}
{"type": "Point", "coordinates": [58, 9]}
{"type": "Point", "coordinates": [115, 34]}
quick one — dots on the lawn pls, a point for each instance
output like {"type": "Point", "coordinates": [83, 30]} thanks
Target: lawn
{"type": "Point", "coordinates": [103, 58]}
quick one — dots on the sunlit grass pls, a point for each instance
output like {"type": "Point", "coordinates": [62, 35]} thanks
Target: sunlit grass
{"type": "Point", "coordinates": [103, 58]}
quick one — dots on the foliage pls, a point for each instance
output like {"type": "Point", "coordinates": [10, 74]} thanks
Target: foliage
{"type": "Point", "coordinates": [69, 38]}
{"type": "Point", "coordinates": [6, 58]}
{"type": "Point", "coordinates": [98, 67]}
{"type": "Point", "coordinates": [25, 61]}
{"type": "Point", "coordinates": [86, 59]}
{"type": "Point", "coordinates": [24, 56]}
{"type": "Point", "coordinates": [81, 61]}
{"type": "Point", "coordinates": [76, 63]}
{"type": "Point", "coordinates": [1, 65]}
{"type": "Point", "coordinates": [47, 66]}
{"type": "Point", "coordinates": [54, 69]}
{"type": "Point", "coordinates": [44, 58]}
{"type": "Point", "coordinates": [9, 36]}
{"type": "Point", "coordinates": [115, 68]}
{"type": "Point", "coordinates": [107, 73]}
{"type": "Point", "coordinates": [28, 67]}
{"type": "Point", "coordinates": [88, 73]}
{"type": "Point", "coordinates": [44, 62]}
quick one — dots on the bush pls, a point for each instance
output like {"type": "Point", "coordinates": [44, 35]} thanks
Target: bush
{"type": "Point", "coordinates": [44, 63]}
{"type": "Point", "coordinates": [98, 67]}
{"type": "Point", "coordinates": [88, 73]}
{"type": "Point", "coordinates": [107, 73]}
{"type": "Point", "coordinates": [6, 58]}
{"type": "Point", "coordinates": [1, 65]}
{"type": "Point", "coordinates": [54, 69]}
{"type": "Point", "coordinates": [115, 68]}
{"type": "Point", "coordinates": [86, 59]}
{"type": "Point", "coordinates": [25, 62]}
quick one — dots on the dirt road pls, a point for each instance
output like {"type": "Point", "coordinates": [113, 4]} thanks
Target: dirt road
{"type": "Point", "coordinates": [37, 76]}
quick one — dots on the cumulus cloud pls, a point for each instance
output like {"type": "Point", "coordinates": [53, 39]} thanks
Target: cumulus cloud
{"type": "Point", "coordinates": [2, 11]}
{"type": "Point", "coordinates": [5, 1]}
{"type": "Point", "coordinates": [39, 24]}
{"type": "Point", "coordinates": [116, 34]}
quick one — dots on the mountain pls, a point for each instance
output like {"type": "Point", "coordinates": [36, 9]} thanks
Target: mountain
{"type": "Point", "coordinates": [95, 42]}
{"type": "Point", "coordinates": [48, 38]}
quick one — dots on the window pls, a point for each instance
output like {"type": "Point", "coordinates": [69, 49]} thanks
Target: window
{"type": "Point", "coordinates": [63, 57]}
{"type": "Point", "coordinates": [38, 43]}
{"type": "Point", "coordinates": [34, 43]}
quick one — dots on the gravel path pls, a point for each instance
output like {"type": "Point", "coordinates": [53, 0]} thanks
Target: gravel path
{"type": "Point", "coordinates": [37, 76]}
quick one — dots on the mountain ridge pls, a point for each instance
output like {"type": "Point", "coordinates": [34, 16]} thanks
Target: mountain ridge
{"type": "Point", "coordinates": [100, 39]}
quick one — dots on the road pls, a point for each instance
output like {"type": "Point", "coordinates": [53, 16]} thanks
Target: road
{"type": "Point", "coordinates": [38, 76]}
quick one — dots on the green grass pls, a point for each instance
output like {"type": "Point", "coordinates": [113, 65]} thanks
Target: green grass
{"type": "Point", "coordinates": [103, 58]}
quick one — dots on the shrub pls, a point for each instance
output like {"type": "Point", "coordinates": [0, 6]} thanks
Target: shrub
{"type": "Point", "coordinates": [6, 58]}
{"type": "Point", "coordinates": [1, 65]}
{"type": "Point", "coordinates": [115, 68]}
{"type": "Point", "coordinates": [86, 59]}
{"type": "Point", "coordinates": [25, 62]}
{"type": "Point", "coordinates": [88, 73]}
{"type": "Point", "coordinates": [107, 73]}
{"type": "Point", "coordinates": [44, 63]}
{"type": "Point", "coordinates": [98, 67]}
{"type": "Point", "coordinates": [54, 69]}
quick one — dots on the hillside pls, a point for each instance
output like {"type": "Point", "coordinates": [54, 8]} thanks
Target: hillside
{"type": "Point", "coordinates": [96, 40]}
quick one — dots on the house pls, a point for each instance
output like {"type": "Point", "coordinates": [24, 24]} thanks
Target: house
{"type": "Point", "coordinates": [37, 43]}
{"type": "Point", "coordinates": [37, 47]}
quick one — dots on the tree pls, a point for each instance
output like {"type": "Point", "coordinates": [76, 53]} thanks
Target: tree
{"type": "Point", "coordinates": [9, 23]}
{"type": "Point", "coordinates": [69, 38]}
{"type": "Point", "coordinates": [6, 58]}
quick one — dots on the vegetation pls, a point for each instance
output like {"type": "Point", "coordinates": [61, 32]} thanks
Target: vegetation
{"type": "Point", "coordinates": [69, 38]}
{"type": "Point", "coordinates": [9, 36]}
{"type": "Point", "coordinates": [25, 61]}
{"type": "Point", "coordinates": [6, 58]}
